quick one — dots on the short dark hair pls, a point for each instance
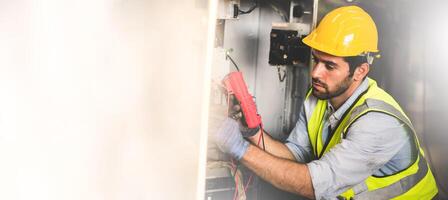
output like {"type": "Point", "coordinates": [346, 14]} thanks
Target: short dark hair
{"type": "Point", "coordinates": [354, 62]}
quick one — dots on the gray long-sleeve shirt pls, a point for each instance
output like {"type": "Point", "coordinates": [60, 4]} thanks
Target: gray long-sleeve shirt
{"type": "Point", "coordinates": [376, 144]}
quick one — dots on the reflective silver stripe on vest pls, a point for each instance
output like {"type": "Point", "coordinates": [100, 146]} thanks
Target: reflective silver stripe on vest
{"type": "Point", "coordinates": [400, 187]}
{"type": "Point", "coordinates": [381, 105]}
{"type": "Point", "coordinates": [405, 184]}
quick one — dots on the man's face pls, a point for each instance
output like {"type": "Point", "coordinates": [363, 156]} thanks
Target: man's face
{"type": "Point", "coordinates": [330, 75]}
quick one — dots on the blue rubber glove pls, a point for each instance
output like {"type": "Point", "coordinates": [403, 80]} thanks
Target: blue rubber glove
{"type": "Point", "coordinates": [229, 139]}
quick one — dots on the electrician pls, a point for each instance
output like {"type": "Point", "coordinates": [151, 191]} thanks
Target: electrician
{"type": "Point", "coordinates": [352, 139]}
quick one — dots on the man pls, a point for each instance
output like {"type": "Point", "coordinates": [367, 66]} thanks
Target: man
{"type": "Point", "coordinates": [352, 139]}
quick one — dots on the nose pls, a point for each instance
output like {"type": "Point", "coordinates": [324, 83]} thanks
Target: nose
{"type": "Point", "coordinates": [317, 70]}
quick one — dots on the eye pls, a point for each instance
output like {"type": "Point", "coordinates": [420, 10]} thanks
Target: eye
{"type": "Point", "coordinates": [315, 60]}
{"type": "Point", "coordinates": [329, 66]}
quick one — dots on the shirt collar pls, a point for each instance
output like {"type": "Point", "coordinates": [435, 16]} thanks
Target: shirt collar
{"type": "Point", "coordinates": [338, 113]}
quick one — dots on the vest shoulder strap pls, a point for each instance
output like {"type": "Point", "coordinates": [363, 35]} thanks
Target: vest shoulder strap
{"type": "Point", "coordinates": [404, 181]}
{"type": "Point", "coordinates": [371, 104]}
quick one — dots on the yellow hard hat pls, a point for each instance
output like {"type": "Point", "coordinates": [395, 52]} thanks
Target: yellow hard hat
{"type": "Point", "coordinates": [345, 31]}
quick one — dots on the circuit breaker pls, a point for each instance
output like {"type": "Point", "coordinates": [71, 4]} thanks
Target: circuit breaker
{"type": "Point", "coordinates": [287, 48]}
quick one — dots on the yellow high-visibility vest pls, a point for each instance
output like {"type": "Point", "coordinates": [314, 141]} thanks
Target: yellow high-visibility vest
{"type": "Point", "coordinates": [414, 182]}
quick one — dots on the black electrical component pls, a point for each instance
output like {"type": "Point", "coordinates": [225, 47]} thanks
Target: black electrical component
{"type": "Point", "coordinates": [297, 11]}
{"type": "Point", "coordinates": [287, 48]}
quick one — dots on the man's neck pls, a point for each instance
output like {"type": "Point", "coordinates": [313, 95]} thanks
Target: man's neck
{"type": "Point", "coordinates": [337, 102]}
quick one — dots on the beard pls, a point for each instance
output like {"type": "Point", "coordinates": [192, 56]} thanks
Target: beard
{"type": "Point", "coordinates": [341, 87]}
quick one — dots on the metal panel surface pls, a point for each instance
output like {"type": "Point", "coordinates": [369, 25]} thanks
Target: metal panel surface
{"type": "Point", "coordinates": [249, 38]}
{"type": "Point", "coordinates": [102, 99]}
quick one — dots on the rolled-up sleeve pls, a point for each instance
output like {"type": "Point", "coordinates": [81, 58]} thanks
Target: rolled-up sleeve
{"type": "Point", "coordinates": [371, 142]}
{"type": "Point", "coordinates": [298, 141]}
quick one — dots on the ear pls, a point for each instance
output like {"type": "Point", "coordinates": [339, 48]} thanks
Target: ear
{"type": "Point", "coordinates": [361, 71]}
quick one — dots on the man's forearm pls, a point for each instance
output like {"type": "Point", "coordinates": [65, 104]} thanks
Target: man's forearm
{"type": "Point", "coordinates": [272, 146]}
{"type": "Point", "coordinates": [282, 173]}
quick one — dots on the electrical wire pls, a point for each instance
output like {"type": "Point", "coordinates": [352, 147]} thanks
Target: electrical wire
{"type": "Point", "coordinates": [239, 192]}
{"type": "Point", "coordinates": [235, 194]}
{"type": "Point", "coordinates": [234, 166]}
{"type": "Point", "coordinates": [260, 139]}
{"type": "Point", "coordinates": [249, 181]}
{"type": "Point", "coordinates": [282, 14]}
{"type": "Point", "coordinates": [236, 66]}
{"type": "Point", "coordinates": [235, 169]}
{"type": "Point", "coordinates": [231, 167]}
{"type": "Point", "coordinates": [280, 77]}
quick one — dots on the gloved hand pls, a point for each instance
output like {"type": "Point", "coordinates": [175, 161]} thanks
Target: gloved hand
{"type": "Point", "coordinates": [236, 113]}
{"type": "Point", "coordinates": [229, 139]}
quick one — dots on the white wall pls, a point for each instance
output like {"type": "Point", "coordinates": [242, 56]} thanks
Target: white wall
{"type": "Point", "coordinates": [102, 99]}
